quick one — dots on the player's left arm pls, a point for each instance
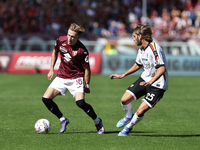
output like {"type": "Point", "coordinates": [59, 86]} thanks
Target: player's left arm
{"type": "Point", "coordinates": [161, 68]}
{"type": "Point", "coordinates": [160, 71]}
{"type": "Point", "coordinates": [86, 66]}
{"type": "Point", "coordinates": [87, 79]}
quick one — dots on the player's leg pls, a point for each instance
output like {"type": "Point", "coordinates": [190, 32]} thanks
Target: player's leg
{"type": "Point", "coordinates": [127, 106]}
{"type": "Point", "coordinates": [133, 92]}
{"type": "Point", "coordinates": [80, 102]}
{"type": "Point", "coordinates": [56, 88]}
{"type": "Point", "coordinates": [88, 109]}
{"type": "Point", "coordinates": [153, 95]}
{"type": "Point", "coordinates": [47, 99]}
{"type": "Point", "coordinates": [137, 117]}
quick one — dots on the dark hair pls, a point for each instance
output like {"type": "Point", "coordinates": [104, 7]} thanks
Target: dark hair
{"type": "Point", "coordinates": [145, 31]}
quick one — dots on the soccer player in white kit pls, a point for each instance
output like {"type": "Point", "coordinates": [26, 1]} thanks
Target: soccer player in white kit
{"type": "Point", "coordinates": [153, 81]}
{"type": "Point", "coordinates": [73, 75]}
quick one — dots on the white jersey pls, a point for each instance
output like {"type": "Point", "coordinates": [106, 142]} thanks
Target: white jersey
{"type": "Point", "coordinates": [151, 58]}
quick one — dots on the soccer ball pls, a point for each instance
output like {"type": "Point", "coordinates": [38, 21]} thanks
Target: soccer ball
{"type": "Point", "coordinates": [42, 126]}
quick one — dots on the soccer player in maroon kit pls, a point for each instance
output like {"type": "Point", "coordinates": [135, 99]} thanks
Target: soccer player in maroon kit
{"type": "Point", "coordinates": [73, 75]}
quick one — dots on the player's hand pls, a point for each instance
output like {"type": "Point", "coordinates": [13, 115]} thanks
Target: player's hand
{"type": "Point", "coordinates": [145, 83]}
{"type": "Point", "coordinates": [50, 75]}
{"type": "Point", "coordinates": [116, 76]}
{"type": "Point", "coordinates": [87, 90]}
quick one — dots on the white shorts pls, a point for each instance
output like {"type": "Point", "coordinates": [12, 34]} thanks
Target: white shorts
{"type": "Point", "coordinates": [63, 85]}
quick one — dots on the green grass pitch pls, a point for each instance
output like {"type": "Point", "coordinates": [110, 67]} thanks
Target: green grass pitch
{"type": "Point", "coordinates": [174, 123]}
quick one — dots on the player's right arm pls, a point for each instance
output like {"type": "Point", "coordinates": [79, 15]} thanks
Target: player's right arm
{"type": "Point", "coordinates": [54, 57]}
{"type": "Point", "coordinates": [133, 69]}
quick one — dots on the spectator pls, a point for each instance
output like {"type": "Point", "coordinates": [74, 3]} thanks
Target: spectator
{"type": "Point", "coordinates": [195, 32]}
{"type": "Point", "coordinates": [122, 32]}
{"type": "Point", "coordinates": [184, 23]}
{"type": "Point", "coordinates": [96, 30]}
{"type": "Point", "coordinates": [188, 5]}
{"type": "Point", "coordinates": [52, 17]}
{"type": "Point", "coordinates": [197, 6]}
{"type": "Point", "coordinates": [32, 27]}
{"type": "Point", "coordinates": [113, 28]}
{"type": "Point", "coordinates": [197, 21]}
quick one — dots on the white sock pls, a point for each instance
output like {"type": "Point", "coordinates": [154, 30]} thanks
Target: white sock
{"type": "Point", "coordinates": [62, 118]}
{"type": "Point", "coordinates": [134, 120]}
{"type": "Point", "coordinates": [97, 120]}
{"type": "Point", "coordinates": [128, 110]}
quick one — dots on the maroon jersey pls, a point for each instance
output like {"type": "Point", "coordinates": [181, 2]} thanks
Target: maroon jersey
{"type": "Point", "coordinates": [73, 58]}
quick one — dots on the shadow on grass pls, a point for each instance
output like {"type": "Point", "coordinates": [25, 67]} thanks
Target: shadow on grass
{"type": "Point", "coordinates": [135, 133]}
{"type": "Point", "coordinates": [95, 132]}
{"type": "Point", "coordinates": [183, 136]}
{"type": "Point", "coordinates": [112, 132]}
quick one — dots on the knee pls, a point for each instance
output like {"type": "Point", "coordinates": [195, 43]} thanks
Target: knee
{"type": "Point", "coordinates": [44, 99]}
{"type": "Point", "coordinates": [140, 113]}
{"type": "Point", "coordinates": [126, 98]}
{"type": "Point", "coordinates": [124, 101]}
{"type": "Point", "coordinates": [81, 103]}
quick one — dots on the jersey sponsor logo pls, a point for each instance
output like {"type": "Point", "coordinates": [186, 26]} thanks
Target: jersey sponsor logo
{"type": "Point", "coordinates": [67, 57]}
{"type": "Point", "coordinates": [63, 49]}
{"type": "Point", "coordinates": [144, 59]}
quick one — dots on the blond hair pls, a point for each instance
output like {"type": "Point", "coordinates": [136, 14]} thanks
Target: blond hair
{"type": "Point", "coordinates": [145, 31]}
{"type": "Point", "coordinates": [77, 28]}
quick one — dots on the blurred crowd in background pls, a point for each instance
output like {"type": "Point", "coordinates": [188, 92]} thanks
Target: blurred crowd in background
{"type": "Point", "coordinates": [100, 18]}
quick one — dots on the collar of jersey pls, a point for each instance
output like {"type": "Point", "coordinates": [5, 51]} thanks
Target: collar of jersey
{"type": "Point", "coordinates": [143, 49]}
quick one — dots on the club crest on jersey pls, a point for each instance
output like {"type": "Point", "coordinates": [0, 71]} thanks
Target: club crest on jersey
{"type": "Point", "coordinates": [75, 53]}
{"type": "Point", "coordinates": [63, 49]}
